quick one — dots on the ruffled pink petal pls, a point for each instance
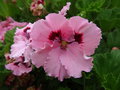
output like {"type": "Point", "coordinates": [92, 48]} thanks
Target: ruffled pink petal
{"type": "Point", "coordinates": [67, 32]}
{"type": "Point", "coordinates": [65, 9]}
{"type": "Point", "coordinates": [28, 53]}
{"type": "Point", "coordinates": [74, 61]}
{"type": "Point", "coordinates": [55, 21]}
{"type": "Point", "coordinates": [18, 48]}
{"type": "Point", "coordinates": [18, 69]}
{"type": "Point", "coordinates": [24, 30]}
{"type": "Point", "coordinates": [53, 65]}
{"type": "Point", "coordinates": [38, 58]}
{"type": "Point", "coordinates": [91, 33]}
{"type": "Point", "coordinates": [40, 34]}
{"type": "Point", "coordinates": [77, 23]}
{"type": "Point", "coordinates": [18, 24]}
{"type": "Point", "coordinates": [91, 38]}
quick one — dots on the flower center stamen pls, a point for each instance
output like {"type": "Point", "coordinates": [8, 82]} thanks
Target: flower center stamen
{"type": "Point", "coordinates": [64, 45]}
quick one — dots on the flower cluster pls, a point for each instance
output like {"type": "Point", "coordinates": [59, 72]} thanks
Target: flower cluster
{"type": "Point", "coordinates": [7, 25]}
{"type": "Point", "coordinates": [61, 46]}
{"type": "Point", "coordinates": [37, 7]}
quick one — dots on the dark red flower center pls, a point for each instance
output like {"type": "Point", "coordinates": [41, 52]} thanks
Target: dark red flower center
{"type": "Point", "coordinates": [78, 37]}
{"type": "Point", "coordinates": [57, 35]}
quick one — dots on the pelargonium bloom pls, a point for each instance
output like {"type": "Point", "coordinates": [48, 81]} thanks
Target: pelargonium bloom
{"type": "Point", "coordinates": [9, 24]}
{"type": "Point", "coordinates": [21, 40]}
{"type": "Point", "coordinates": [20, 52]}
{"type": "Point", "coordinates": [64, 45]}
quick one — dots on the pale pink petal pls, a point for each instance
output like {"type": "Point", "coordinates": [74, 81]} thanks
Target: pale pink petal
{"type": "Point", "coordinates": [18, 48]}
{"type": "Point", "coordinates": [74, 61]}
{"type": "Point", "coordinates": [53, 65]}
{"type": "Point", "coordinates": [27, 53]}
{"type": "Point", "coordinates": [77, 23]}
{"type": "Point", "coordinates": [67, 32]}
{"type": "Point", "coordinates": [91, 33]}
{"type": "Point", "coordinates": [38, 58]}
{"type": "Point", "coordinates": [18, 69]}
{"type": "Point", "coordinates": [22, 31]}
{"type": "Point", "coordinates": [91, 38]}
{"type": "Point", "coordinates": [55, 21]}
{"type": "Point", "coordinates": [65, 9]}
{"type": "Point", "coordinates": [18, 24]}
{"type": "Point", "coordinates": [40, 34]}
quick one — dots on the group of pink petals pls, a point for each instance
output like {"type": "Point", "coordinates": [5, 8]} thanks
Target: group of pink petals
{"type": "Point", "coordinates": [61, 46]}
{"type": "Point", "coordinates": [7, 25]}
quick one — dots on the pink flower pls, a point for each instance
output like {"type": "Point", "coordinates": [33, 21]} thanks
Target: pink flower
{"type": "Point", "coordinates": [19, 66]}
{"type": "Point", "coordinates": [64, 9]}
{"type": "Point", "coordinates": [21, 42]}
{"type": "Point", "coordinates": [63, 46]}
{"type": "Point", "coordinates": [20, 52]}
{"type": "Point", "coordinates": [7, 25]}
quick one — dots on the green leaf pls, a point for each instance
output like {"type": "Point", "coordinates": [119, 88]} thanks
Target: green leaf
{"type": "Point", "coordinates": [7, 9]}
{"type": "Point", "coordinates": [8, 40]}
{"type": "Point", "coordinates": [109, 19]}
{"type": "Point", "coordinates": [111, 82]}
{"type": "Point", "coordinates": [108, 63]}
{"type": "Point", "coordinates": [113, 39]}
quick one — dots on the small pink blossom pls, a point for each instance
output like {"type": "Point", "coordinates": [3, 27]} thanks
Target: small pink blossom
{"type": "Point", "coordinates": [20, 52]}
{"type": "Point", "coordinates": [63, 46]}
{"type": "Point", "coordinates": [21, 42]}
{"type": "Point", "coordinates": [65, 9]}
{"type": "Point", "coordinates": [7, 25]}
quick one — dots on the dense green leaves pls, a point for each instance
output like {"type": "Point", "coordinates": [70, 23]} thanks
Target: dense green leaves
{"type": "Point", "coordinates": [8, 40]}
{"type": "Point", "coordinates": [107, 67]}
{"type": "Point", "coordinates": [4, 48]}
{"type": "Point", "coordinates": [113, 39]}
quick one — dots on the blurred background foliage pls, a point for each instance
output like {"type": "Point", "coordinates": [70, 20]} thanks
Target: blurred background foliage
{"type": "Point", "coordinates": [106, 72]}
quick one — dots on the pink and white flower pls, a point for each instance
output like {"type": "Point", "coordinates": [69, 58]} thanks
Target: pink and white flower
{"type": "Point", "coordinates": [20, 52]}
{"type": "Point", "coordinates": [63, 46]}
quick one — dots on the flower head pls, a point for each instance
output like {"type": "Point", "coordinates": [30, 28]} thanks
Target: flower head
{"type": "Point", "coordinates": [65, 45]}
{"type": "Point", "coordinates": [37, 7]}
{"type": "Point", "coordinates": [19, 58]}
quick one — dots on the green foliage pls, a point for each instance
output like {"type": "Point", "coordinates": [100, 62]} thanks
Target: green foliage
{"type": "Point", "coordinates": [4, 48]}
{"type": "Point", "coordinates": [107, 67]}
{"type": "Point", "coordinates": [113, 39]}
{"type": "Point", "coordinates": [7, 9]}
{"type": "Point", "coordinates": [8, 40]}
